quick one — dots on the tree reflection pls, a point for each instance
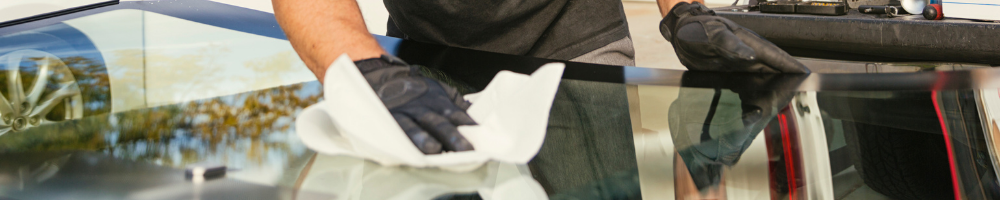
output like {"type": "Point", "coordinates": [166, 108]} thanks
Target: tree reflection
{"type": "Point", "coordinates": [243, 129]}
{"type": "Point", "coordinates": [92, 77]}
{"type": "Point", "coordinates": [251, 127]}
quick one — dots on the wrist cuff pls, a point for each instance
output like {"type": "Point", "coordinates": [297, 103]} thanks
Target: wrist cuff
{"type": "Point", "coordinates": [382, 62]}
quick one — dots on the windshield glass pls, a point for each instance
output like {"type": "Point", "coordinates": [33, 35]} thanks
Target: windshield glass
{"type": "Point", "coordinates": [151, 87]}
{"type": "Point", "coordinates": [118, 104]}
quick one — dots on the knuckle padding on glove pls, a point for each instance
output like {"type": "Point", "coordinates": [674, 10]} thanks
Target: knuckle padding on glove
{"type": "Point", "coordinates": [439, 127]}
{"type": "Point", "coordinates": [400, 91]}
{"type": "Point", "coordinates": [447, 105]}
{"type": "Point", "coordinates": [420, 138]}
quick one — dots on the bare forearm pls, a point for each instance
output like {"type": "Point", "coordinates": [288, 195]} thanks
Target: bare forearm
{"type": "Point", "coordinates": [322, 30]}
{"type": "Point", "coordinates": [666, 5]}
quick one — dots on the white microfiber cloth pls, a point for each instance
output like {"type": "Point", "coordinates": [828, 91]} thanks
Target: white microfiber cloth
{"type": "Point", "coordinates": [512, 113]}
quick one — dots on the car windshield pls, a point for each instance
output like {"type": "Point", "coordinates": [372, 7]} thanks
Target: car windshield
{"type": "Point", "coordinates": [117, 103]}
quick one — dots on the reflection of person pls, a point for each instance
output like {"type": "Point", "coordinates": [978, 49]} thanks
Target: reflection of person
{"type": "Point", "coordinates": [352, 178]}
{"type": "Point", "coordinates": [713, 127]}
{"type": "Point", "coordinates": [585, 114]}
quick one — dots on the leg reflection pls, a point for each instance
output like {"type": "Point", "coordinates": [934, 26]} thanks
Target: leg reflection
{"type": "Point", "coordinates": [685, 188]}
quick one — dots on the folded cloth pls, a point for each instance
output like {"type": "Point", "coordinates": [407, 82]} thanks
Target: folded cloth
{"type": "Point", "coordinates": [512, 112]}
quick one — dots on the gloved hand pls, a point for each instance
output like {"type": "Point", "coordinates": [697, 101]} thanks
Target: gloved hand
{"type": "Point", "coordinates": [427, 110]}
{"type": "Point", "coordinates": [706, 42]}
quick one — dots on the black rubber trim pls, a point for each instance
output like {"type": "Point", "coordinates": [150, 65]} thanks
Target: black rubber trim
{"type": "Point", "coordinates": [57, 13]}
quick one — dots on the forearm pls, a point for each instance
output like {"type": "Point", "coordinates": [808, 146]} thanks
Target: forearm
{"type": "Point", "coordinates": [666, 5]}
{"type": "Point", "coordinates": [322, 30]}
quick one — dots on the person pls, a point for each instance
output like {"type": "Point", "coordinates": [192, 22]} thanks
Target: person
{"type": "Point", "coordinates": [586, 114]}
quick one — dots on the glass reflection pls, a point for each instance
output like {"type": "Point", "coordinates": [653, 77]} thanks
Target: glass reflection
{"type": "Point", "coordinates": [885, 135]}
{"type": "Point", "coordinates": [712, 128]}
{"type": "Point", "coordinates": [833, 144]}
{"type": "Point", "coordinates": [131, 59]}
{"type": "Point", "coordinates": [40, 90]}
{"type": "Point", "coordinates": [51, 74]}
{"type": "Point", "coordinates": [352, 178]}
{"type": "Point", "coordinates": [71, 175]}
{"type": "Point", "coordinates": [245, 130]}
{"type": "Point", "coordinates": [151, 87]}
{"type": "Point", "coordinates": [25, 171]}
{"type": "Point", "coordinates": [147, 87]}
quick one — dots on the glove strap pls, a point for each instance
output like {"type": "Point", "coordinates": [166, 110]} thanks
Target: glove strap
{"type": "Point", "coordinates": [382, 62]}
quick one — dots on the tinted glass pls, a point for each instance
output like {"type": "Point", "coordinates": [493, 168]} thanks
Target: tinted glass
{"type": "Point", "coordinates": [118, 104]}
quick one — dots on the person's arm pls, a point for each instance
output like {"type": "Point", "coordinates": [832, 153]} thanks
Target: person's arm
{"type": "Point", "coordinates": [322, 30]}
{"type": "Point", "coordinates": [666, 5]}
{"type": "Point", "coordinates": [427, 110]}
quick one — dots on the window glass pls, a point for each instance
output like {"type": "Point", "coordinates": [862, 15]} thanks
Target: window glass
{"type": "Point", "coordinates": [156, 60]}
{"type": "Point", "coordinates": [154, 88]}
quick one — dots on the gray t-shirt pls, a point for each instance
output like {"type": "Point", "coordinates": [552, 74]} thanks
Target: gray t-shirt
{"type": "Point", "coordinates": [554, 29]}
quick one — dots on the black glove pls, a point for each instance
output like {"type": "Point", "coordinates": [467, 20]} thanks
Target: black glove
{"type": "Point", "coordinates": [427, 110]}
{"type": "Point", "coordinates": [706, 42]}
